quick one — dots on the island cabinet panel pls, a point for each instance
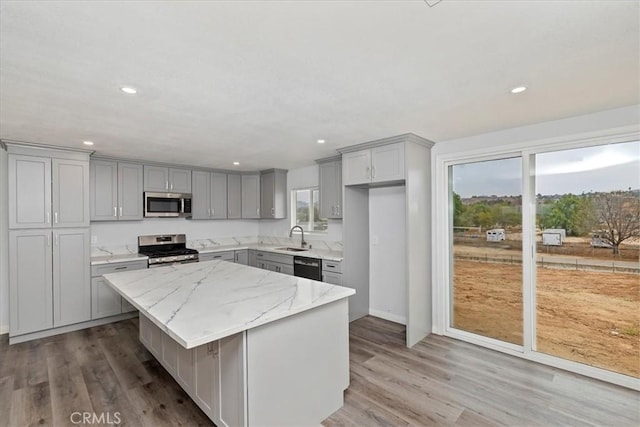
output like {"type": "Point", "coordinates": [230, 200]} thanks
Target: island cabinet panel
{"type": "Point", "coordinates": [224, 256]}
{"type": "Point", "coordinates": [231, 378]}
{"type": "Point", "coordinates": [104, 300]}
{"type": "Point", "coordinates": [312, 385]}
{"type": "Point", "coordinates": [185, 369]}
{"type": "Point", "coordinates": [170, 354]}
{"type": "Point", "coordinates": [206, 378]}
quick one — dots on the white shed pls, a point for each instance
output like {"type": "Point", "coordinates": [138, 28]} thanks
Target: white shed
{"type": "Point", "coordinates": [496, 235]}
{"type": "Point", "coordinates": [554, 236]}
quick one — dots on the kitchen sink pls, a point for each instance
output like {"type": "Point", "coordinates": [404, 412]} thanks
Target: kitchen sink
{"type": "Point", "coordinates": [290, 249]}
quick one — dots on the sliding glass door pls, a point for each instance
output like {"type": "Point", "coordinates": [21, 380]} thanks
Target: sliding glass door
{"type": "Point", "coordinates": [486, 285]}
{"type": "Point", "coordinates": [545, 256]}
{"type": "Point", "coordinates": [587, 282]}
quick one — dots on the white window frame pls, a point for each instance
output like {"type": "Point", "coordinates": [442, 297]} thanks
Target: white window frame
{"type": "Point", "coordinates": [441, 246]}
{"type": "Point", "coordinates": [294, 211]}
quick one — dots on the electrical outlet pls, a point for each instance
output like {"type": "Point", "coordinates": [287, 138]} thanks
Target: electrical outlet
{"type": "Point", "coordinates": [94, 240]}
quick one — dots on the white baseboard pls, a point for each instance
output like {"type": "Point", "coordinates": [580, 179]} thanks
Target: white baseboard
{"type": "Point", "coordinates": [388, 316]}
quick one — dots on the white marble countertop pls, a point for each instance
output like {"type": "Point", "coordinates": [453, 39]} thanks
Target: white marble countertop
{"type": "Point", "coordinates": [110, 259]}
{"type": "Point", "coordinates": [327, 254]}
{"type": "Point", "coordinates": [202, 302]}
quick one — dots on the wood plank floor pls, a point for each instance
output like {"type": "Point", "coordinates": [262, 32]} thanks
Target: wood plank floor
{"type": "Point", "coordinates": [440, 381]}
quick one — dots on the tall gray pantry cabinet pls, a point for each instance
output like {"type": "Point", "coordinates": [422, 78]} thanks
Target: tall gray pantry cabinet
{"type": "Point", "coordinates": [49, 239]}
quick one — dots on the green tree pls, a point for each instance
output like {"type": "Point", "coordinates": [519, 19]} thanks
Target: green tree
{"type": "Point", "coordinates": [571, 212]}
{"type": "Point", "coordinates": [478, 214]}
{"type": "Point", "coordinates": [458, 210]}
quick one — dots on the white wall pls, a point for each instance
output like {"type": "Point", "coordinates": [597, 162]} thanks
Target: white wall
{"type": "Point", "coordinates": [4, 245]}
{"type": "Point", "coordinates": [304, 177]}
{"type": "Point", "coordinates": [387, 278]}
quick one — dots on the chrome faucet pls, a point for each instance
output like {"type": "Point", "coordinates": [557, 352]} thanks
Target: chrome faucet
{"type": "Point", "coordinates": [302, 243]}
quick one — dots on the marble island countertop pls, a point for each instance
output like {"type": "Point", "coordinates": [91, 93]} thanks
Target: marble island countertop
{"type": "Point", "coordinates": [203, 302]}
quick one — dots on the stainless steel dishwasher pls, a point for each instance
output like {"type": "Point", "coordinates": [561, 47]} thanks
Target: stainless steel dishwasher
{"type": "Point", "coordinates": [310, 268]}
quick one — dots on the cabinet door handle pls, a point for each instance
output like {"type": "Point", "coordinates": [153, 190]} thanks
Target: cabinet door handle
{"type": "Point", "coordinates": [337, 209]}
{"type": "Point", "coordinates": [367, 172]}
{"type": "Point", "coordinates": [373, 170]}
{"type": "Point", "coordinates": [120, 268]}
{"type": "Point", "coordinates": [258, 212]}
{"type": "Point", "coordinates": [209, 211]}
{"type": "Point", "coordinates": [115, 211]}
{"type": "Point", "coordinates": [55, 239]}
{"type": "Point", "coordinates": [166, 185]}
{"type": "Point", "coordinates": [120, 210]}
{"type": "Point", "coordinates": [48, 239]}
{"type": "Point", "coordinates": [171, 185]}
{"type": "Point", "coordinates": [48, 217]}
{"type": "Point", "coordinates": [55, 217]}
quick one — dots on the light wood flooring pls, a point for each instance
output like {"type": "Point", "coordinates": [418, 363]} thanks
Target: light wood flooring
{"type": "Point", "coordinates": [440, 381]}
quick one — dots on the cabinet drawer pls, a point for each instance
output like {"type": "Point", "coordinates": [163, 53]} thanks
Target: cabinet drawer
{"type": "Point", "coordinates": [224, 256]}
{"type": "Point", "coordinates": [99, 270]}
{"type": "Point", "coordinates": [332, 266]}
{"type": "Point", "coordinates": [332, 278]}
{"type": "Point", "coordinates": [279, 258]}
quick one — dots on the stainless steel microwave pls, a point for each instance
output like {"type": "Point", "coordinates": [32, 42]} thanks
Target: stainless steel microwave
{"type": "Point", "coordinates": [166, 205]}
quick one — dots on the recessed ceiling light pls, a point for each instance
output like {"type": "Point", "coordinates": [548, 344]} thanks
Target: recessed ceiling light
{"type": "Point", "coordinates": [321, 141]}
{"type": "Point", "coordinates": [518, 89]}
{"type": "Point", "coordinates": [87, 142]}
{"type": "Point", "coordinates": [129, 90]}
{"type": "Point", "coordinates": [236, 163]}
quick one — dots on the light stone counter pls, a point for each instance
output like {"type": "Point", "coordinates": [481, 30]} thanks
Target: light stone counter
{"type": "Point", "coordinates": [110, 259]}
{"type": "Point", "coordinates": [202, 302]}
{"type": "Point", "coordinates": [322, 253]}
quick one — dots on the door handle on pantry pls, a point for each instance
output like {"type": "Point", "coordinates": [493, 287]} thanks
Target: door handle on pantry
{"type": "Point", "coordinates": [55, 217]}
{"type": "Point", "coordinates": [120, 210]}
{"type": "Point", "coordinates": [115, 211]}
{"type": "Point", "coordinates": [48, 217]}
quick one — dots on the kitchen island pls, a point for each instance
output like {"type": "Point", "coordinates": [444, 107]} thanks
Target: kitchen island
{"type": "Point", "coordinates": [251, 347]}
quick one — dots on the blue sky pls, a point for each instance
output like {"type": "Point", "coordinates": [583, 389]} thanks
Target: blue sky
{"type": "Point", "coordinates": [603, 168]}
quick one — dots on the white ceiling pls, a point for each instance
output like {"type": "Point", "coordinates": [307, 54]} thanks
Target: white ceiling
{"type": "Point", "coordinates": [260, 81]}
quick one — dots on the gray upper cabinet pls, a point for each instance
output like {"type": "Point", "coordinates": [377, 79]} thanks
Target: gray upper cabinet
{"type": "Point", "coordinates": [380, 164]}
{"type": "Point", "coordinates": [330, 180]}
{"type": "Point", "coordinates": [30, 281]}
{"type": "Point", "coordinates": [116, 191]}
{"type": "Point", "coordinates": [273, 194]}
{"type": "Point", "coordinates": [218, 195]}
{"type": "Point", "coordinates": [29, 191]}
{"type": "Point", "coordinates": [104, 190]}
{"type": "Point", "coordinates": [201, 195]}
{"type": "Point", "coordinates": [250, 196]}
{"type": "Point", "coordinates": [70, 193]}
{"type": "Point", "coordinates": [234, 196]}
{"type": "Point", "coordinates": [47, 192]}
{"type": "Point", "coordinates": [71, 276]}
{"type": "Point", "coordinates": [163, 179]}
{"type": "Point", "coordinates": [130, 189]}
{"type": "Point", "coordinates": [209, 195]}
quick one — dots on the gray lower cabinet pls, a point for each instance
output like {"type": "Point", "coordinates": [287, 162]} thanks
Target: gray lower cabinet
{"type": "Point", "coordinates": [104, 300]}
{"type": "Point", "coordinates": [71, 276]}
{"type": "Point", "coordinates": [332, 272]}
{"type": "Point", "coordinates": [234, 196]}
{"type": "Point", "coordinates": [163, 179]}
{"type": "Point", "coordinates": [252, 261]}
{"type": "Point", "coordinates": [250, 196]}
{"type": "Point", "coordinates": [116, 191]}
{"type": "Point", "coordinates": [212, 256]}
{"type": "Point", "coordinates": [209, 195]}
{"type": "Point", "coordinates": [273, 194]}
{"type": "Point", "coordinates": [279, 263]}
{"type": "Point", "coordinates": [330, 187]}
{"type": "Point", "coordinates": [30, 281]}
{"type": "Point", "coordinates": [49, 279]}
{"type": "Point", "coordinates": [242, 257]}
{"type": "Point", "coordinates": [212, 374]}
{"type": "Point", "coordinates": [47, 192]}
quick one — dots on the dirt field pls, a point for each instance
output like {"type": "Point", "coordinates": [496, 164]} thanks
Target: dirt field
{"type": "Point", "coordinates": [588, 317]}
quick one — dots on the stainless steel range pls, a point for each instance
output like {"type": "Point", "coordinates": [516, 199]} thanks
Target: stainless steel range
{"type": "Point", "coordinates": [166, 249]}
